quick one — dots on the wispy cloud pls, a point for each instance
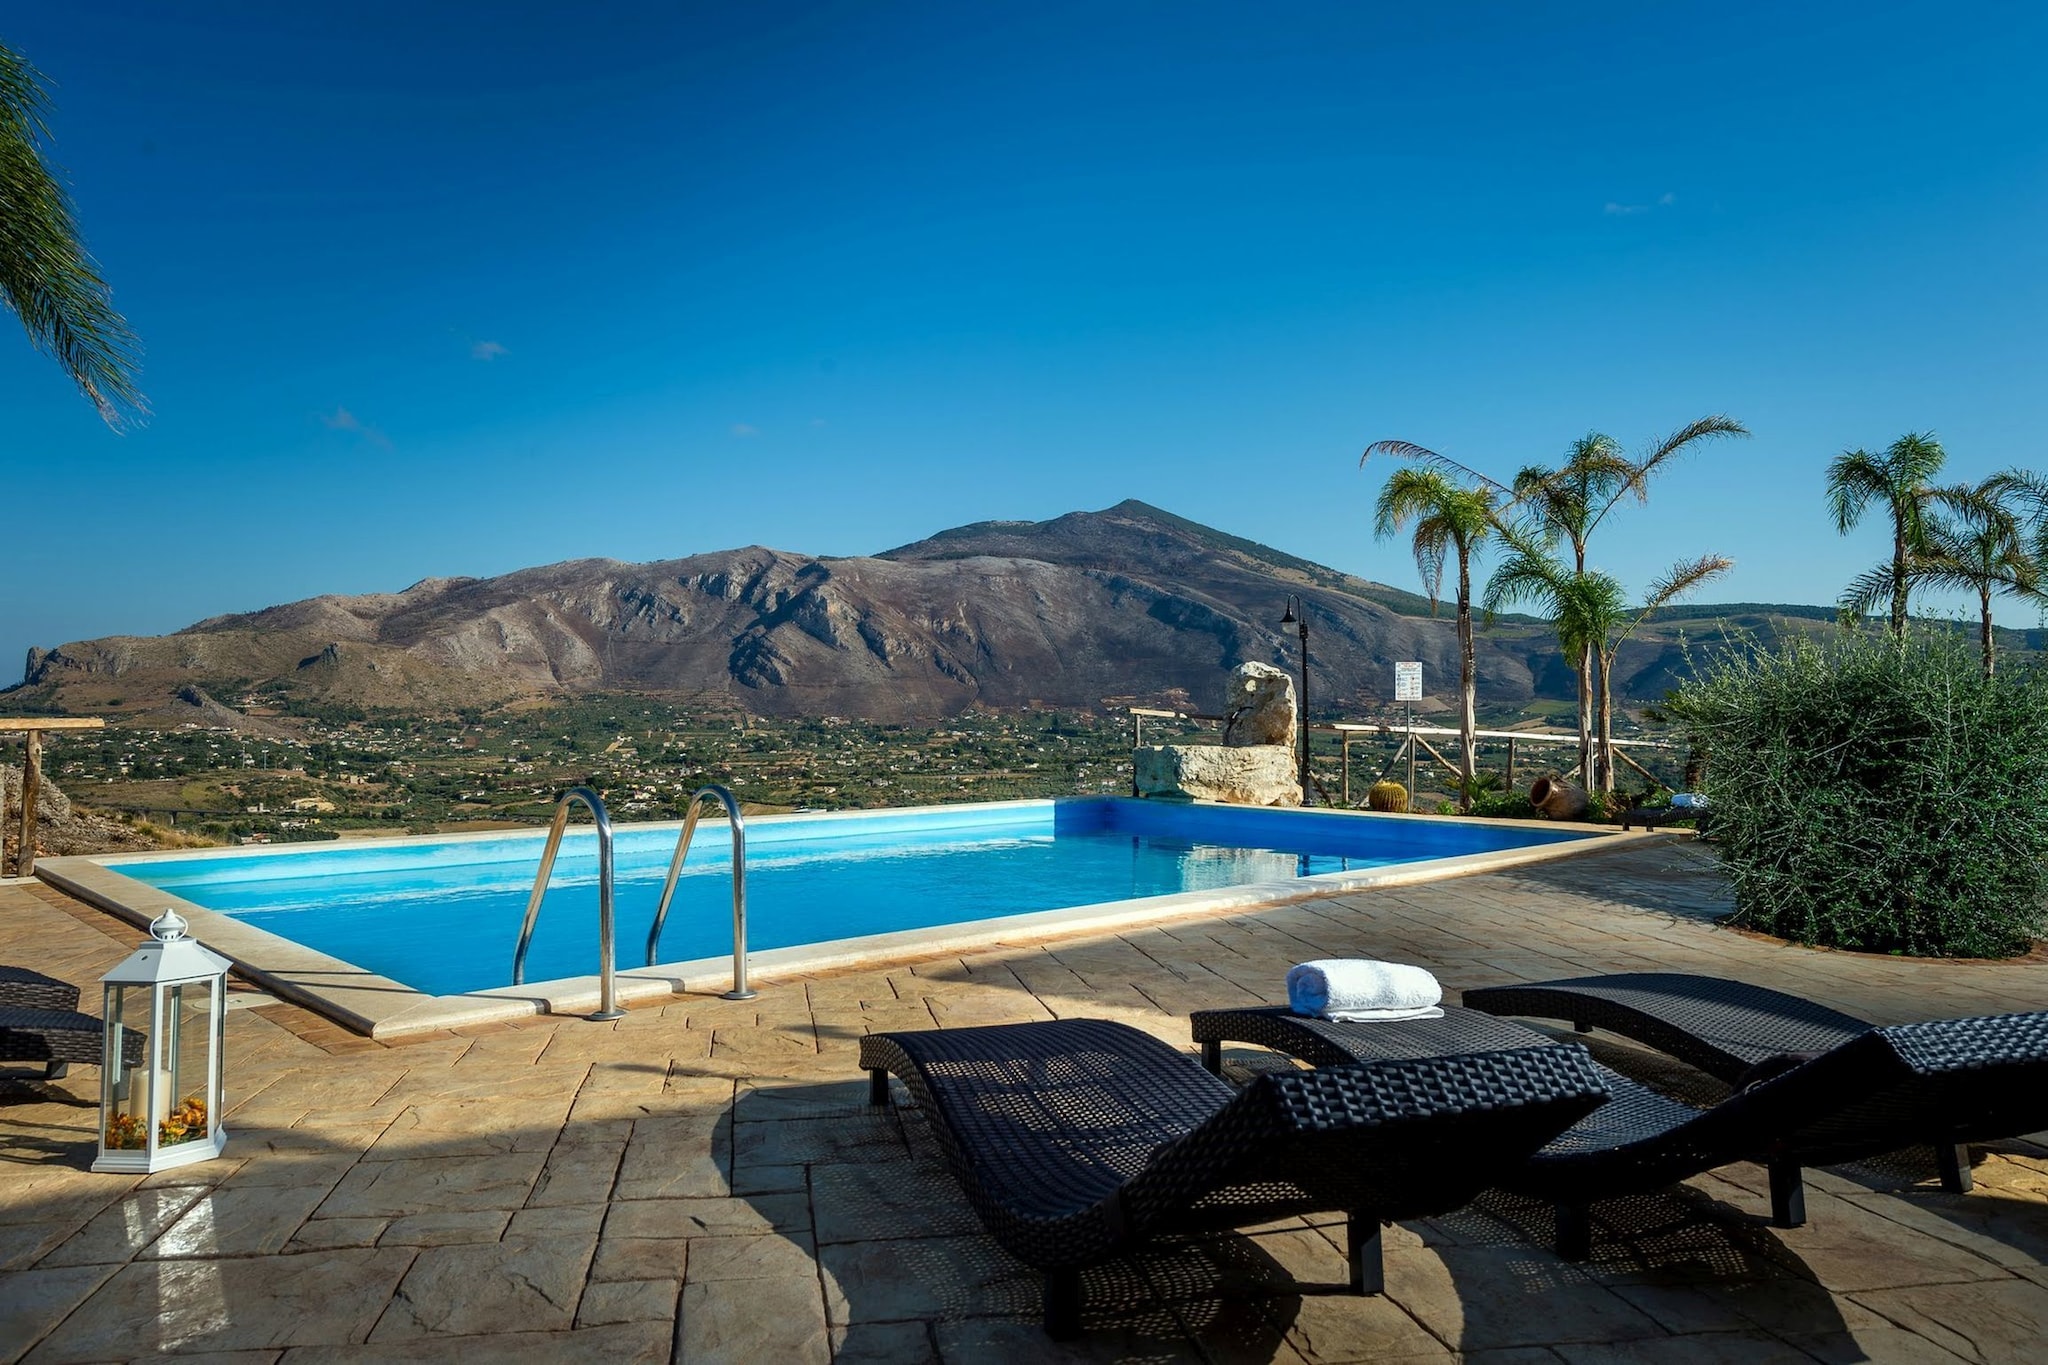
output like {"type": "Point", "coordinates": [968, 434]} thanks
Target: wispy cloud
{"type": "Point", "coordinates": [745, 429]}
{"type": "Point", "coordinates": [341, 419]}
{"type": "Point", "coordinates": [1619, 210]}
{"type": "Point", "coordinates": [486, 350]}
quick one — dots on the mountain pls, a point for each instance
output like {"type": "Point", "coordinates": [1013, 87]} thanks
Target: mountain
{"type": "Point", "coordinates": [1130, 604]}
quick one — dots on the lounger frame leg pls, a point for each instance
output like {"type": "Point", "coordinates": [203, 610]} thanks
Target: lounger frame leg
{"type": "Point", "coordinates": [1580, 1026]}
{"type": "Point", "coordinates": [878, 1085]}
{"type": "Point", "coordinates": [1362, 1244]}
{"type": "Point", "coordinates": [1212, 1056]}
{"type": "Point", "coordinates": [56, 1071]}
{"type": "Point", "coordinates": [1063, 1303]}
{"type": "Point", "coordinates": [1574, 1232]}
{"type": "Point", "coordinates": [1954, 1160]}
{"type": "Point", "coordinates": [1788, 1195]}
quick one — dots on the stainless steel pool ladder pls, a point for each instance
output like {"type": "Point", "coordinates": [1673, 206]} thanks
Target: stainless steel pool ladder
{"type": "Point", "coordinates": [740, 989]}
{"type": "Point", "coordinates": [608, 993]}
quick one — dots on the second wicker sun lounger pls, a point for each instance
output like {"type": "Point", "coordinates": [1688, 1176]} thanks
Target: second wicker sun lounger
{"type": "Point", "coordinates": [1076, 1140]}
{"type": "Point", "coordinates": [1722, 1027]}
{"type": "Point", "coordinates": [1942, 1084]}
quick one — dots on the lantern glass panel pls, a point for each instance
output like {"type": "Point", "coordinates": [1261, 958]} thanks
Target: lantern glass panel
{"type": "Point", "coordinates": [125, 1072]}
{"type": "Point", "coordinates": [188, 1100]}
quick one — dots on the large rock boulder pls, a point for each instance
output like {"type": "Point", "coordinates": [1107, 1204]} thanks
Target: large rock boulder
{"type": "Point", "coordinates": [1250, 775]}
{"type": "Point", "coordinates": [1259, 706]}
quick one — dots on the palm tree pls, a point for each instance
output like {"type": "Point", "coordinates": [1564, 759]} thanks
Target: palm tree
{"type": "Point", "coordinates": [1580, 605]}
{"type": "Point", "coordinates": [1979, 548]}
{"type": "Point", "coordinates": [46, 276]}
{"type": "Point", "coordinates": [2030, 491]}
{"type": "Point", "coordinates": [1569, 503]}
{"type": "Point", "coordinates": [1447, 517]}
{"type": "Point", "coordinates": [1901, 479]}
{"type": "Point", "coordinates": [1592, 612]}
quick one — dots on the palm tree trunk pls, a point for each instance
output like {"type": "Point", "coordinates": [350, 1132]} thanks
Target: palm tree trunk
{"type": "Point", "coordinates": [1603, 663]}
{"type": "Point", "coordinates": [1899, 580]}
{"type": "Point", "coordinates": [1984, 605]}
{"type": "Point", "coordinates": [1468, 681]}
{"type": "Point", "coordinates": [1586, 716]}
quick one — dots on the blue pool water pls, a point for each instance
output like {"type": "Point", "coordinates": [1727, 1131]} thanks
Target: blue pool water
{"type": "Point", "coordinates": [443, 916]}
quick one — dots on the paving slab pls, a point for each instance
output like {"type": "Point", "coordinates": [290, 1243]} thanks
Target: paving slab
{"type": "Point", "coordinates": [522, 1285]}
{"type": "Point", "coordinates": [163, 1307]}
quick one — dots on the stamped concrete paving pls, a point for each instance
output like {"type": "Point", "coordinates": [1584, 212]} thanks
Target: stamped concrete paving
{"type": "Point", "coordinates": [702, 1180]}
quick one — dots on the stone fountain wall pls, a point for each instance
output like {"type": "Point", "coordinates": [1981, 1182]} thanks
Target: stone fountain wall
{"type": "Point", "coordinates": [1256, 765]}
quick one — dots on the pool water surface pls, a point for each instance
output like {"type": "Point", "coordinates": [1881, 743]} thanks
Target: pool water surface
{"type": "Point", "coordinates": [443, 915]}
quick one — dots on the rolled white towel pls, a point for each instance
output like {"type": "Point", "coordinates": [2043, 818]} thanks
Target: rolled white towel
{"type": "Point", "coordinates": [1358, 990]}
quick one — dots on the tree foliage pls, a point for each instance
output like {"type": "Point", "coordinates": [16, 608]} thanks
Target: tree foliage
{"type": "Point", "coordinates": [1881, 794]}
{"type": "Point", "coordinates": [1902, 481]}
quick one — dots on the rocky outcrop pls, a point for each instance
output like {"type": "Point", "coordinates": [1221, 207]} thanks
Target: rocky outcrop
{"type": "Point", "coordinates": [62, 829]}
{"type": "Point", "coordinates": [1258, 706]}
{"type": "Point", "coordinates": [1248, 775]}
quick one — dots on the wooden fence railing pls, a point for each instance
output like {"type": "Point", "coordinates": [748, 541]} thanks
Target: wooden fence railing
{"type": "Point", "coordinates": [1415, 740]}
{"type": "Point", "coordinates": [32, 776]}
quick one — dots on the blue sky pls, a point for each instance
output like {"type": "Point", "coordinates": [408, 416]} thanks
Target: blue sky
{"type": "Point", "coordinates": [453, 289]}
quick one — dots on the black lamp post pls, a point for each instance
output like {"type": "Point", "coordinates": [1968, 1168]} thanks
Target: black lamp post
{"type": "Point", "coordinates": [1297, 616]}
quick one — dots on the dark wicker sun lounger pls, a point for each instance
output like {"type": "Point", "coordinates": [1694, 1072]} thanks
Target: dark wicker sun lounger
{"type": "Point", "coordinates": [23, 989]}
{"type": "Point", "coordinates": [58, 1038]}
{"type": "Point", "coordinates": [1944, 1083]}
{"type": "Point", "coordinates": [1076, 1140]}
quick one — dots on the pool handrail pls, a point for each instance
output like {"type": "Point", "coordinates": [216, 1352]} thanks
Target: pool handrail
{"type": "Point", "coordinates": [608, 991]}
{"type": "Point", "coordinates": [740, 990]}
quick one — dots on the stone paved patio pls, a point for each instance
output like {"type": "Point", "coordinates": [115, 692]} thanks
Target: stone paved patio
{"type": "Point", "coordinates": [702, 1180]}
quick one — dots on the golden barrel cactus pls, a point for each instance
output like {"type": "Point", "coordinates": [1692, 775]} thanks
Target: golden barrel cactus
{"type": "Point", "coordinates": [1387, 796]}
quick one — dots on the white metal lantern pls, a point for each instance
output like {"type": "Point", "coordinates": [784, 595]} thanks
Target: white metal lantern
{"type": "Point", "coordinates": [160, 1082]}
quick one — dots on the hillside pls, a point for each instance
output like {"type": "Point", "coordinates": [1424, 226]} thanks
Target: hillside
{"type": "Point", "coordinates": [1129, 604]}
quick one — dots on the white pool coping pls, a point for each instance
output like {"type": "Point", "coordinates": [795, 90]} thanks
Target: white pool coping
{"type": "Point", "coordinates": [380, 1007]}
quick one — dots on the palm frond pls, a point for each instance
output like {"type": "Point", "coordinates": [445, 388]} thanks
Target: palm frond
{"type": "Point", "coordinates": [1677, 443]}
{"type": "Point", "coordinates": [1914, 459]}
{"type": "Point", "coordinates": [46, 276]}
{"type": "Point", "coordinates": [1409, 450]}
{"type": "Point", "coordinates": [1855, 479]}
{"type": "Point", "coordinates": [1867, 590]}
{"type": "Point", "coordinates": [1682, 577]}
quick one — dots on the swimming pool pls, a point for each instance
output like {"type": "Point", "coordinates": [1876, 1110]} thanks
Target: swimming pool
{"type": "Point", "coordinates": [440, 916]}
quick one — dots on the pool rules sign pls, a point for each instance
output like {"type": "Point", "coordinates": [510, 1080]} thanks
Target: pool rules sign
{"type": "Point", "coordinates": [1408, 681]}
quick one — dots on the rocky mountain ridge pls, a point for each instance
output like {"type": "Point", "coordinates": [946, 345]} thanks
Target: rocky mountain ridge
{"type": "Point", "coordinates": [1129, 604]}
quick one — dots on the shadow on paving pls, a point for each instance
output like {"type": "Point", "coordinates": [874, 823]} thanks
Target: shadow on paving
{"type": "Point", "coordinates": [1663, 880]}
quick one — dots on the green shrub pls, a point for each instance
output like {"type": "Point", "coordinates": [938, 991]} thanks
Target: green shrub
{"type": "Point", "coordinates": [1504, 806]}
{"type": "Point", "coordinates": [1879, 795]}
